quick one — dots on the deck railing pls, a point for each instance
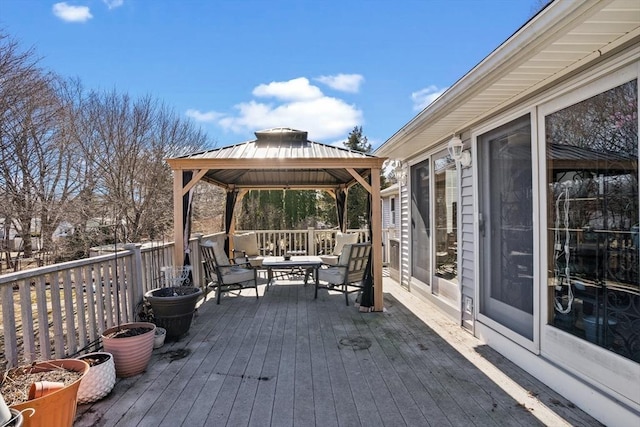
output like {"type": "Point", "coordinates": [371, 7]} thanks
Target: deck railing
{"type": "Point", "coordinates": [60, 310]}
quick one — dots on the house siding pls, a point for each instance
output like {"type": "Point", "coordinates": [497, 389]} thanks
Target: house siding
{"type": "Point", "coordinates": [466, 263]}
{"type": "Point", "coordinates": [405, 229]}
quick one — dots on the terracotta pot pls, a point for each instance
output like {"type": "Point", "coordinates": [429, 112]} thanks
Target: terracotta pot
{"type": "Point", "coordinates": [59, 407]}
{"type": "Point", "coordinates": [42, 388]}
{"type": "Point", "coordinates": [99, 380]}
{"type": "Point", "coordinates": [131, 354]}
{"type": "Point", "coordinates": [173, 308]}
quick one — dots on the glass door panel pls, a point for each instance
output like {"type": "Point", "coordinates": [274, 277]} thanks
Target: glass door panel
{"type": "Point", "coordinates": [420, 225]}
{"type": "Point", "coordinates": [506, 226]}
{"type": "Point", "coordinates": [446, 217]}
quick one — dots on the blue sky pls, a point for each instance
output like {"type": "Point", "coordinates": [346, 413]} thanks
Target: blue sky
{"type": "Point", "coordinates": [234, 67]}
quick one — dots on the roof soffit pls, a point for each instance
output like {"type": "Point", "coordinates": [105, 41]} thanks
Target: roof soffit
{"type": "Point", "coordinates": [552, 45]}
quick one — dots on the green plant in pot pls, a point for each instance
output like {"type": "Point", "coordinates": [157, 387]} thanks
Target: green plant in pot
{"type": "Point", "coordinates": [173, 305]}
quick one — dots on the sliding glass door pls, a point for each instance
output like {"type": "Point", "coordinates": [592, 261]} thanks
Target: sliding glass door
{"type": "Point", "coordinates": [506, 226]}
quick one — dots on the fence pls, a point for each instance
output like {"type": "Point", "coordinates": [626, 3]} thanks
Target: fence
{"type": "Point", "coordinates": [60, 310]}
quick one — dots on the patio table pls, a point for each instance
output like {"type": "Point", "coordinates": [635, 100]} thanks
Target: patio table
{"type": "Point", "coordinates": [307, 263]}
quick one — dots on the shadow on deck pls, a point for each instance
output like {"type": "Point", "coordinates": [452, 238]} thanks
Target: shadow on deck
{"type": "Point", "coordinates": [289, 360]}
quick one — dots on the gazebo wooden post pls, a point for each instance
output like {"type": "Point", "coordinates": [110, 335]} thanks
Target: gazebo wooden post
{"type": "Point", "coordinates": [376, 240]}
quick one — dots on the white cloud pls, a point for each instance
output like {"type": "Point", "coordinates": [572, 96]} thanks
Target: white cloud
{"type": "Point", "coordinates": [343, 82]}
{"type": "Point", "coordinates": [293, 90]}
{"type": "Point", "coordinates": [422, 98]}
{"type": "Point", "coordinates": [297, 104]}
{"type": "Point", "coordinates": [112, 4]}
{"type": "Point", "coordinates": [205, 117]}
{"type": "Point", "coordinates": [70, 13]}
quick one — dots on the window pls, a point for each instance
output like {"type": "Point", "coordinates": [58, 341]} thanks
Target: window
{"type": "Point", "coordinates": [592, 216]}
{"type": "Point", "coordinates": [392, 220]}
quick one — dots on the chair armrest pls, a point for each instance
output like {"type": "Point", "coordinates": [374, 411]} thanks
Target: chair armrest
{"type": "Point", "coordinates": [240, 259]}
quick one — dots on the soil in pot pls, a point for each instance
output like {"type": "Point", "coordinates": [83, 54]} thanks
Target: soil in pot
{"type": "Point", "coordinates": [17, 381]}
{"type": "Point", "coordinates": [57, 408]}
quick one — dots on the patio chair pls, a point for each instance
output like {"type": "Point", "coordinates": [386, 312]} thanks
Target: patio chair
{"type": "Point", "coordinates": [247, 245]}
{"type": "Point", "coordinates": [348, 272]}
{"type": "Point", "coordinates": [342, 239]}
{"type": "Point", "coordinates": [224, 274]}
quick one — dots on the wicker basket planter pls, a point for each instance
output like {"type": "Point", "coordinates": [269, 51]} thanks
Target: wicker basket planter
{"type": "Point", "coordinates": [131, 352]}
{"type": "Point", "coordinates": [100, 379]}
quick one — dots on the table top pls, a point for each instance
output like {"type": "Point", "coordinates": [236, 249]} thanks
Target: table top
{"type": "Point", "coordinates": [295, 261]}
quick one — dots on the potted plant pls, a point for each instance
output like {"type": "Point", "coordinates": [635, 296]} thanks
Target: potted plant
{"type": "Point", "coordinates": [100, 379]}
{"type": "Point", "coordinates": [57, 407]}
{"type": "Point", "coordinates": [131, 345]}
{"type": "Point", "coordinates": [172, 306]}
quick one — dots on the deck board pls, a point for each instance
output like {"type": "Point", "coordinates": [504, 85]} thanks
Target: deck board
{"type": "Point", "coordinates": [288, 359]}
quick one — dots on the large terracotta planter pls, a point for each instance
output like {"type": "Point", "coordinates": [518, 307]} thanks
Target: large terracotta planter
{"type": "Point", "coordinates": [58, 408]}
{"type": "Point", "coordinates": [99, 380]}
{"type": "Point", "coordinates": [131, 354]}
{"type": "Point", "coordinates": [173, 308]}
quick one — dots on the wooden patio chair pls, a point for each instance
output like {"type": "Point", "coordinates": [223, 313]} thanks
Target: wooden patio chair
{"type": "Point", "coordinates": [346, 276]}
{"type": "Point", "coordinates": [224, 274]}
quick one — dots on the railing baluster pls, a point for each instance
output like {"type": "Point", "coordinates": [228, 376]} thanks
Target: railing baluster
{"type": "Point", "coordinates": [28, 339]}
{"type": "Point", "coordinates": [9, 325]}
{"type": "Point", "coordinates": [43, 318]}
{"type": "Point", "coordinates": [80, 308]}
{"type": "Point", "coordinates": [56, 313]}
{"type": "Point", "coordinates": [67, 293]}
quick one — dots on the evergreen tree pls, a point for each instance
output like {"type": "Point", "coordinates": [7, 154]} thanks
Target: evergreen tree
{"type": "Point", "coordinates": [357, 213]}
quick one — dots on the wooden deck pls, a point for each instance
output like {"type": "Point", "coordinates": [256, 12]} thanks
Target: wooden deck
{"type": "Point", "coordinates": [289, 360]}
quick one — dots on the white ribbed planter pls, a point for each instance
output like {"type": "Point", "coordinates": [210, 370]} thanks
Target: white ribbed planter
{"type": "Point", "coordinates": [130, 354]}
{"type": "Point", "coordinates": [99, 380]}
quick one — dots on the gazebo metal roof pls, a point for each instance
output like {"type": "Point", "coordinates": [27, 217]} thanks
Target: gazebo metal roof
{"type": "Point", "coordinates": [281, 158]}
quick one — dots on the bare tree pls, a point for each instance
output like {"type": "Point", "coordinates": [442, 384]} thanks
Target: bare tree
{"type": "Point", "coordinates": [126, 143]}
{"type": "Point", "coordinates": [35, 157]}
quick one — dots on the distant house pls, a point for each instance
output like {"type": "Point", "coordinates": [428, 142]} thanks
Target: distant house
{"type": "Point", "coordinates": [519, 215]}
{"type": "Point", "coordinates": [389, 197]}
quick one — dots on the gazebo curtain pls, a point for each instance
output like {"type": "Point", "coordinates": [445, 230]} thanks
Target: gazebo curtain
{"type": "Point", "coordinates": [232, 197]}
{"type": "Point", "coordinates": [341, 208]}
{"type": "Point", "coordinates": [366, 299]}
{"type": "Point", "coordinates": [187, 200]}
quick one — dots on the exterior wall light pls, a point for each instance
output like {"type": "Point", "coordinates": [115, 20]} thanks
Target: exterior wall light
{"type": "Point", "coordinates": [401, 172]}
{"type": "Point", "coordinates": [457, 152]}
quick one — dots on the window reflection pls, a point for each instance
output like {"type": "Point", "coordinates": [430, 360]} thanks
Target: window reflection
{"type": "Point", "coordinates": [593, 215]}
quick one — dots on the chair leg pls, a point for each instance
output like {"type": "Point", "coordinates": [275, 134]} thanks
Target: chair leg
{"type": "Point", "coordinates": [346, 294]}
{"type": "Point", "coordinates": [218, 292]}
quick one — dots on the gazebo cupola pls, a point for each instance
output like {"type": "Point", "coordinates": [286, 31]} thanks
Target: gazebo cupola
{"type": "Point", "coordinates": [281, 135]}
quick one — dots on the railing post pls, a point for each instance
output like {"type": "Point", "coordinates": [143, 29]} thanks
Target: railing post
{"type": "Point", "coordinates": [196, 260]}
{"type": "Point", "coordinates": [311, 241]}
{"type": "Point", "coordinates": [138, 287]}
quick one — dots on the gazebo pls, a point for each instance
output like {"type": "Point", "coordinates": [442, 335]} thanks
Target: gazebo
{"type": "Point", "coordinates": [279, 158]}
